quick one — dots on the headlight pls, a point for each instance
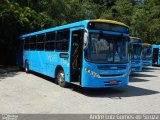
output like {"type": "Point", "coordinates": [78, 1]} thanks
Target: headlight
{"type": "Point", "coordinates": [92, 73]}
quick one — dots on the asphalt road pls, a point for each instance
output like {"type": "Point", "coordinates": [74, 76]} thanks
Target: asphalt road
{"type": "Point", "coordinates": [34, 93]}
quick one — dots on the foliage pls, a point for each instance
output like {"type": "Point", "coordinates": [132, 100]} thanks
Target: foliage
{"type": "Point", "coordinates": [14, 21]}
{"type": "Point", "coordinates": [23, 16]}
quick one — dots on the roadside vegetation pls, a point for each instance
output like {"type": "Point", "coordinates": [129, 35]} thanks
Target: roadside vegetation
{"type": "Point", "coordinates": [18, 17]}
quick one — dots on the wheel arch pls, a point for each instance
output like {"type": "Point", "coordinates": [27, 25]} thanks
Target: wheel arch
{"type": "Point", "coordinates": [62, 83]}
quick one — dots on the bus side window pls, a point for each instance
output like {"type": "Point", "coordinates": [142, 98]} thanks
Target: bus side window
{"type": "Point", "coordinates": [62, 41]}
{"type": "Point", "coordinates": [40, 42]}
{"type": "Point", "coordinates": [33, 43]}
{"type": "Point", "coordinates": [50, 41]}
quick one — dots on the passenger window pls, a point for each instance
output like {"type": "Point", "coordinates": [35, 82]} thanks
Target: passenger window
{"type": "Point", "coordinates": [62, 41]}
{"type": "Point", "coordinates": [40, 42]}
{"type": "Point", "coordinates": [50, 41]}
{"type": "Point", "coordinates": [50, 36]}
{"type": "Point", "coordinates": [32, 43]}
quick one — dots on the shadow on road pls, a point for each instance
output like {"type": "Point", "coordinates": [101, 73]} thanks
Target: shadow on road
{"type": "Point", "coordinates": [134, 79]}
{"type": "Point", "coordinates": [7, 74]}
{"type": "Point", "coordinates": [43, 76]}
{"type": "Point", "coordinates": [150, 69]}
{"type": "Point", "coordinates": [147, 70]}
{"type": "Point", "coordinates": [8, 71]}
{"type": "Point", "coordinates": [141, 75]}
{"type": "Point", "coordinates": [115, 93]}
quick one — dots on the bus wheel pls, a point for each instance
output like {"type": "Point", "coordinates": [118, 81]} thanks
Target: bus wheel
{"type": "Point", "coordinates": [60, 78]}
{"type": "Point", "coordinates": [26, 67]}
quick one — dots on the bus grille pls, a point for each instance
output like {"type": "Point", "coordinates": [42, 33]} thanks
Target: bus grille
{"type": "Point", "coordinates": [116, 67]}
{"type": "Point", "coordinates": [111, 75]}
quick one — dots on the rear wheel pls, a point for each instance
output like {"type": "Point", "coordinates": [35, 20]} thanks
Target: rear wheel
{"type": "Point", "coordinates": [26, 67]}
{"type": "Point", "coordinates": [60, 78]}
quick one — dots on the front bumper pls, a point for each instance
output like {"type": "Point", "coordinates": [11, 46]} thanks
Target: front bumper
{"type": "Point", "coordinates": [147, 63]}
{"type": "Point", "coordinates": [104, 82]}
{"type": "Point", "coordinates": [136, 69]}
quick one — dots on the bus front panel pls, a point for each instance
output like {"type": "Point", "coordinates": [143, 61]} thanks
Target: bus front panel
{"type": "Point", "coordinates": [106, 60]}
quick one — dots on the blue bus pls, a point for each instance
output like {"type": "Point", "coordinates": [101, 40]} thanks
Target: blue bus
{"type": "Point", "coordinates": [89, 53]}
{"type": "Point", "coordinates": [136, 54]}
{"type": "Point", "coordinates": [146, 54]}
{"type": "Point", "coordinates": [156, 55]}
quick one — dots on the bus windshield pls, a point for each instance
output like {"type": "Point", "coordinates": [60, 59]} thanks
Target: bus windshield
{"type": "Point", "coordinates": [107, 48]}
{"type": "Point", "coordinates": [147, 53]}
{"type": "Point", "coordinates": [136, 51]}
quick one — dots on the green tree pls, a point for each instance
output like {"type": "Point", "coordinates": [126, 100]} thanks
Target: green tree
{"type": "Point", "coordinates": [15, 21]}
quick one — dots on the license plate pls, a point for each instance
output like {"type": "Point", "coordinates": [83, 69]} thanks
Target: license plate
{"type": "Point", "coordinates": [113, 82]}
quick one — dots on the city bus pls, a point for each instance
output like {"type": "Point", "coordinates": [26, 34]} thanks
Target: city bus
{"type": "Point", "coordinates": [156, 55]}
{"type": "Point", "coordinates": [146, 54]}
{"type": "Point", "coordinates": [136, 54]}
{"type": "Point", "coordinates": [89, 53]}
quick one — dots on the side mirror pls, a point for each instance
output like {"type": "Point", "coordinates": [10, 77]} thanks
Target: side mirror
{"type": "Point", "coordinates": [85, 43]}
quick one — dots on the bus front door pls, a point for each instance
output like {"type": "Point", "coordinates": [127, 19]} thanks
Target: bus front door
{"type": "Point", "coordinates": [76, 56]}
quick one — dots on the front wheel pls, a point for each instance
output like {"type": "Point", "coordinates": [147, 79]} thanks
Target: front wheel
{"type": "Point", "coordinates": [60, 78]}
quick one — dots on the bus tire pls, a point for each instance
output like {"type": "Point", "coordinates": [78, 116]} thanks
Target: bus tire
{"type": "Point", "coordinates": [26, 67]}
{"type": "Point", "coordinates": [60, 78]}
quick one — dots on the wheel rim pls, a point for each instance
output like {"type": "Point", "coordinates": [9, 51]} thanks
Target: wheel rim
{"type": "Point", "coordinates": [61, 77]}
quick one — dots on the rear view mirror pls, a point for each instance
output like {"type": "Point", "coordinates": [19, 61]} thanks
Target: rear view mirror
{"type": "Point", "coordinates": [85, 43]}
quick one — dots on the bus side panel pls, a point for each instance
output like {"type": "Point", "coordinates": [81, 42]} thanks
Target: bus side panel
{"type": "Point", "coordinates": [46, 62]}
{"type": "Point", "coordinates": [33, 63]}
{"type": "Point", "coordinates": [38, 62]}
{"type": "Point", "coordinates": [53, 60]}
{"type": "Point", "coordinates": [50, 60]}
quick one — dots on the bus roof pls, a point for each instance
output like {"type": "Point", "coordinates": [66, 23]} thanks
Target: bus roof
{"type": "Point", "coordinates": [146, 44]}
{"type": "Point", "coordinates": [109, 21]}
{"type": "Point", "coordinates": [155, 46]}
{"type": "Point", "coordinates": [135, 38]}
{"type": "Point", "coordinates": [76, 24]}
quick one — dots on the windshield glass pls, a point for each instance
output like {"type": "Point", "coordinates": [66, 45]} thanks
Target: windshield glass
{"type": "Point", "coordinates": [146, 52]}
{"type": "Point", "coordinates": [136, 50]}
{"type": "Point", "coordinates": [105, 48]}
